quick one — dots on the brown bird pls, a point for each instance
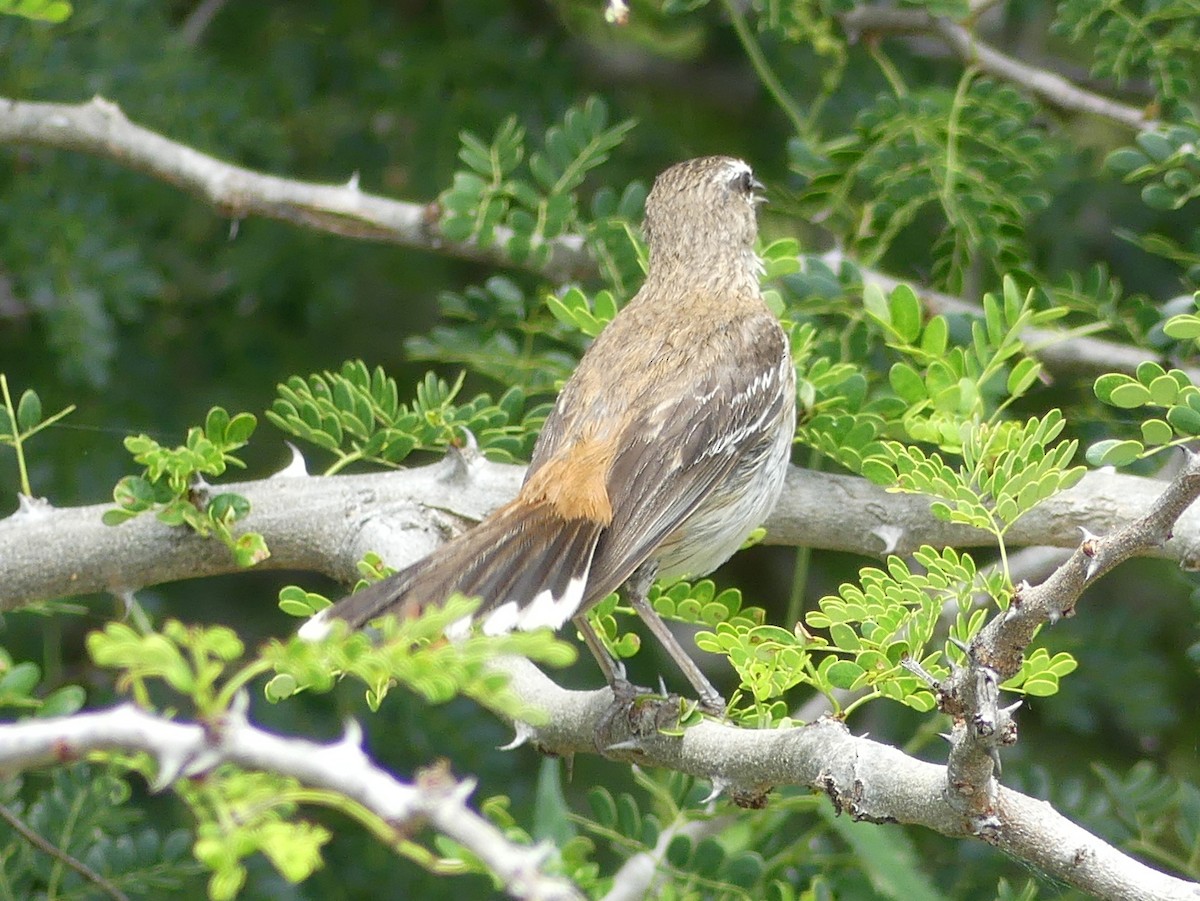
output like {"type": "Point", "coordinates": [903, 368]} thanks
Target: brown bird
{"type": "Point", "coordinates": [665, 449]}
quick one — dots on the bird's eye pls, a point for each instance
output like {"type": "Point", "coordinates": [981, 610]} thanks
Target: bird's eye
{"type": "Point", "coordinates": [745, 183]}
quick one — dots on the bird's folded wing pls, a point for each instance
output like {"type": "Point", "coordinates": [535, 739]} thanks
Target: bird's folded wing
{"type": "Point", "coordinates": [682, 454]}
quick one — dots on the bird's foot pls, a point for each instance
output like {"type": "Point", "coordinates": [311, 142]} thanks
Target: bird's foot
{"type": "Point", "coordinates": [635, 713]}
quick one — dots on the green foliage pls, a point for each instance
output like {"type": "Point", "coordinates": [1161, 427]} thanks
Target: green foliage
{"type": "Point", "coordinates": [21, 421]}
{"type": "Point", "coordinates": [1158, 815]}
{"type": "Point", "coordinates": [1128, 39]}
{"type": "Point", "coordinates": [86, 812]}
{"type": "Point", "coordinates": [573, 309]}
{"type": "Point", "coordinates": [501, 332]}
{"type": "Point", "coordinates": [495, 199]}
{"type": "Point", "coordinates": [946, 389]}
{"type": "Point", "coordinates": [409, 651]}
{"type": "Point", "coordinates": [172, 485]}
{"type": "Point", "coordinates": [239, 814]}
{"type": "Point", "coordinates": [42, 10]}
{"type": "Point", "coordinates": [1007, 469]}
{"type": "Point", "coordinates": [18, 684]}
{"type": "Point", "coordinates": [972, 156]}
{"type": "Point", "coordinates": [113, 280]}
{"type": "Point", "coordinates": [1169, 396]}
{"type": "Point", "coordinates": [1166, 158]}
{"type": "Point", "coordinates": [704, 866]}
{"type": "Point", "coordinates": [356, 415]}
{"type": "Point", "coordinates": [192, 660]}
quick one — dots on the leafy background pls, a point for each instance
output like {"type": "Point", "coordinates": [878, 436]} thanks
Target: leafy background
{"type": "Point", "coordinates": [144, 308]}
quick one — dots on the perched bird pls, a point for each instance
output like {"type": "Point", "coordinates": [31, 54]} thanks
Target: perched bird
{"type": "Point", "coordinates": [665, 449]}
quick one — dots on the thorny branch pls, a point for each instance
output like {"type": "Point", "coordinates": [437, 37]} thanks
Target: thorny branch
{"type": "Point", "coordinates": [185, 750]}
{"type": "Point", "coordinates": [982, 727]}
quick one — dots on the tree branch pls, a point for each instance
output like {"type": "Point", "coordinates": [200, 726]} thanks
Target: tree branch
{"type": "Point", "coordinates": [971, 694]}
{"type": "Point", "coordinates": [865, 779]}
{"type": "Point", "coordinates": [185, 750]}
{"type": "Point", "coordinates": [1049, 86]}
{"type": "Point", "coordinates": [99, 127]}
{"type": "Point", "coordinates": [326, 524]}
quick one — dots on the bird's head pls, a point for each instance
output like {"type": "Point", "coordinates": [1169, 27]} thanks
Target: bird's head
{"type": "Point", "coordinates": [702, 209]}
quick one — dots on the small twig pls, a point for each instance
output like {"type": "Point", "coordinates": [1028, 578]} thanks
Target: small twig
{"type": "Point", "coordinates": [198, 20]}
{"type": "Point", "coordinates": [47, 847]}
{"type": "Point", "coordinates": [765, 73]}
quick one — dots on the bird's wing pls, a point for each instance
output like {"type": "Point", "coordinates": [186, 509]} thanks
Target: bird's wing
{"type": "Point", "coordinates": [672, 458]}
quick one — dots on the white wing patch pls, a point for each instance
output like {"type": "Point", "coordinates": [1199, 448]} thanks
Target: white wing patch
{"type": "Point", "coordinates": [501, 620]}
{"type": "Point", "coordinates": [317, 626]}
{"type": "Point", "coordinates": [551, 612]}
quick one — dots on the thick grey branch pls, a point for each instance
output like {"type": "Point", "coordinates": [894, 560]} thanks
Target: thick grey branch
{"type": "Point", "coordinates": [326, 524]}
{"type": "Point", "coordinates": [187, 749]}
{"type": "Point", "coordinates": [865, 779]}
{"type": "Point", "coordinates": [1049, 86]}
{"type": "Point", "coordinates": [100, 128]}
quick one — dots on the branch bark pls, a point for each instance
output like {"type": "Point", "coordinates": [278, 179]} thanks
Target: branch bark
{"type": "Point", "coordinates": [865, 779]}
{"type": "Point", "coordinates": [185, 750]}
{"type": "Point", "coordinates": [100, 128]}
{"type": "Point", "coordinates": [1049, 86]}
{"type": "Point", "coordinates": [326, 524]}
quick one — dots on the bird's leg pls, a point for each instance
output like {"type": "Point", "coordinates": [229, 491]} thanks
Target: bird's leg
{"type": "Point", "coordinates": [608, 734]}
{"type": "Point", "coordinates": [613, 669]}
{"type": "Point", "coordinates": [636, 590]}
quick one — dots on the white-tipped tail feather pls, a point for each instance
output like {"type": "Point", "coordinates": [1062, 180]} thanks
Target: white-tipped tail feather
{"type": "Point", "coordinates": [317, 626]}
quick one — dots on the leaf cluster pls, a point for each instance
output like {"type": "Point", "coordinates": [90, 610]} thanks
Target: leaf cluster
{"type": "Point", "coordinates": [18, 689]}
{"type": "Point", "coordinates": [1128, 39]}
{"type": "Point", "coordinates": [172, 484]}
{"type": "Point", "coordinates": [1167, 394]}
{"type": "Point", "coordinates": [1166, 159]}
{"type": "Point", "coordinates": [892, 616]}
{"type": "Point", "coordinates": [973, 157]}
{"type": "Point", "coordinates": [496, 198]}
{"type": "Point", "coordinates": [503, 332]}
{"type": "Point", "coordinates": [1156, 815]}
{"type": "Point", "coordinates": [21, 421]}
{"type": "Point", "coordinates": [356, 415]}
{"type": "Point", "coordinates": [85, 811]}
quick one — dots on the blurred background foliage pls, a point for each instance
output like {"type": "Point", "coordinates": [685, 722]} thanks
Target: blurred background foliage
{"type": "Point", "coordinates": [144, 307]}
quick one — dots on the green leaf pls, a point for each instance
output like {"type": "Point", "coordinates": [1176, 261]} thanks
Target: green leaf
{"type": "Point", "coordinates": [1114, 452]}
{"type": "Point", "coordinates": [1023, 375]}
{"type": "Point", "coordinates": [844, 673]}
{"type": "Point", "coordinates": [904, 308]}
{"type": "Point", "coordinates": [29, 410]}
{"type": "Point", "coordinates": [1185, 327]}
{"type": "Point", "coordinates": [906, 382]}
{"type": "Point", "coordinates": [1156, 432]}
{"type": "Point", "coordinates": [1130, 395]}
{"type": "Point", "coordinates": [1185, 420]}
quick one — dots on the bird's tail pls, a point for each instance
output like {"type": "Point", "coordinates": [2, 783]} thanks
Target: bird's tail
{"type": "Point", "coordinates": [528, 565]}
